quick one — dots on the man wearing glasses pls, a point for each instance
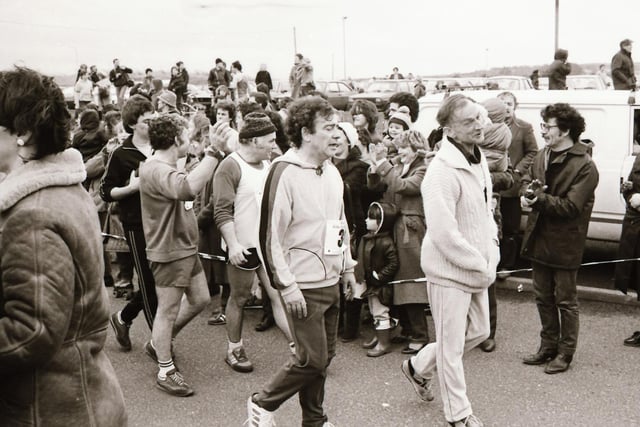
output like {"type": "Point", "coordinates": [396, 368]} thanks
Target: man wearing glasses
{"type": "Point", "coordinates": [559, 188]}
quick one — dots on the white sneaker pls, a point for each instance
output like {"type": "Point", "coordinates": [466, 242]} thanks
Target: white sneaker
{"type": "Point", "coordinates": [258, 417]}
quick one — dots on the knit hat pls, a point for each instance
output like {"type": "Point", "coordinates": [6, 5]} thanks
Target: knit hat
{"type": "Point", "coordinates": [497, 110]}
{"type": "Point", "coordinates": [89, 120]}
{"type": "Point", "coordinates": [402, 117]}
{"type": "Point", "coordinates": [168, 98]}
{"type": "Point", "coordinates": [350, 132]}
{"type": "Point", "coordinates": [256, 124]}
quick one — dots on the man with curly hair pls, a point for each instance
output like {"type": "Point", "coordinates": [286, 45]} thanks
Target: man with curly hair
{"type": "Point", "coordinates": [171, 232]}
{"type": "Point", "coordinates": [304, 241]}
{"type": "Point", "coordinates": [559, 188]}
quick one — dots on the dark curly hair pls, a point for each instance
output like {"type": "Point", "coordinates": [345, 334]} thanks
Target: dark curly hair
{"type": "Point", "coordinates": [409, 100]}
{"type": "Point", "coordinates": [567, 118]}
{"type": "Point", "coordinates": [303, 113]}
{"type": "Point", "coordinates": [32, 102]}
{"type": "Point", "coordinates": [281, 137]}
{"type": "Point", "coordinates": [135, 107]}
{"type": "Point", "coordinates": [228, 106]}
{"type": "Point", "coordinates": [163, 131]}
{"type": "Point", "coordinates": [369, 110]}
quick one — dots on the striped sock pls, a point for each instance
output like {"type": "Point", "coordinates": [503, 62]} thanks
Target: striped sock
{"type": "Point", "coordinates": [165, 367]}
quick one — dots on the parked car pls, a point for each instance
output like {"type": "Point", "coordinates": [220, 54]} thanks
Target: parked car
{"type": "Point", "coordinates": [509, 83]}
{"type": "Point", "coordinates": [337, 91]}
{"type": "Point", "coordinates": [449, 84]}
{"type": "Point", "coordinates": [379, 92]}
{"type": "Point", "coordinates": [578, 82]}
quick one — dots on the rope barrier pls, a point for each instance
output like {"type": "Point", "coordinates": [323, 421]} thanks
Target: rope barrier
{"type": "Point", "coordinates": [418, 280]}
{"type": "Point", "coordinates": [201, 254]}
{"type": "Point", "coordinates": [524, 270]}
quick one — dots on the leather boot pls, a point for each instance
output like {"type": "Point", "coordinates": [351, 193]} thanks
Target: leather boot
{"type": "Point", "coordinates": [383, 346]}
{"type": "Point", "coordinates": [539, 358]}
{"type": "Point", "coordinates": [559, 364]}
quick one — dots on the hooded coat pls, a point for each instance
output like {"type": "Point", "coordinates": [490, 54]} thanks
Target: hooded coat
{"type": "Point", "coordinates": [628, 273]}
{"type": "Point", "coordinates": [557, 225]}
{"type": "Point", "coordinates": [53, 304]}
{"type": "Point", "coordinates": [377, 253]}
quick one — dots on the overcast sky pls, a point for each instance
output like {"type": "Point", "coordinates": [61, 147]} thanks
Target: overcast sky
{"type": "Point", "coordinates": [426, 37]}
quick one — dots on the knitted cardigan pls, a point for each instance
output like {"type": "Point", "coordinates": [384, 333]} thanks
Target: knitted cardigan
{"type": "Point", "coordinates": [460, 248]}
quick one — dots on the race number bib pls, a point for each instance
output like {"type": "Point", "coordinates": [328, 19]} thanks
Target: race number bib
{"type": "Point", "coordinates": [335, 238]}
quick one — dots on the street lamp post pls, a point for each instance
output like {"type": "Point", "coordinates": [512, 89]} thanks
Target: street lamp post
{"type": "Point", "coordinates": [557, 24]}
{"type": "Point", "coordinates": [344, 46]}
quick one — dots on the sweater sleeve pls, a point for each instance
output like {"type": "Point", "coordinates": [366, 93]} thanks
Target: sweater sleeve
{"type": "Point", "coordinates": [275, 217]}
{"type": "Point", "coordinates": [37, 281]}
{"type": "Point", "coordinates": [225, 184]}
{"type": "Point", "coordinates": [166, 181]}
{"type": "Point", "coordinates": [407, 186]}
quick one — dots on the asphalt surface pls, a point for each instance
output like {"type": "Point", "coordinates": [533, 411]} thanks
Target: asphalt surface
{"type": "Point", "coordinates": [600, 389]}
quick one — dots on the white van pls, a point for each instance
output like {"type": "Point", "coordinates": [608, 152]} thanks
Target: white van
{"type": "Point", "coordinates": [612, 123]}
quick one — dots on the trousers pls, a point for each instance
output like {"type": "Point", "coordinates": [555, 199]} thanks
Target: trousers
{"type": "Point", "coordinates": [306, 371]}
{"type": "Point", "coordinates": [461, 322]}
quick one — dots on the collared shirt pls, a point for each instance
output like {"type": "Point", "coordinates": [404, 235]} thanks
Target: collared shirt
{"type": "Point", "coordinates": [472, 158]}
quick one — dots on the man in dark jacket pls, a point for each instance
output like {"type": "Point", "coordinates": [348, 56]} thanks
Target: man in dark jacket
{"type": "Point", "coordinates": [119, 77]}
{"type": "Point", "coordinates": [522, 150]}
{"type": "Point", "coordinates": [263, 76]}
{"type": "Point", "coordinates": [559, 188]}
{"type": "Point", "coordinates": [218, 76]}
{"type": "Point", "coordinates": [559, 70]}
{"type": "Point", "coordinates": [622, 67]}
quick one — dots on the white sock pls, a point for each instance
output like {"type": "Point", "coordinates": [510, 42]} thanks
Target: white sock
{"type": "Point", "coordinates": [292, 347]}
{"type": "Point", "coordinates": [164, 368]}
{"type": "Point", "coordinates": [234, 345]}
{"type": "Point", "coordinates": [119, 317]}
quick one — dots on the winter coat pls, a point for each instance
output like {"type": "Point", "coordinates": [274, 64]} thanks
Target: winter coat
{"type": "Point", "coordinates": [497, 139]}
{"type": "Point", "coordinates": [522, 150]}
{"type": "Point", "coordinates": [557, 225]}
{"type": "Point", "coordinates": [627, 274]}
{"type": "Point", "coordinates": [263, 76]}
{"type": "Point", "coordinates": [119, 76]}
{"type": "Point", "coordinates": [354, 175]}
{"type": "Point", "coordinates": [622, 72]}
{"type": "Point", "coordinates": [54, 307]}
{"type": "Point", "coordinates": [177, 84]}
{"type": "Point", "coordinates": [377, 253]}
{"type": "Point", "coordinates": [558, 72]}
{"type": "Point", "coordinates": [403, 191]}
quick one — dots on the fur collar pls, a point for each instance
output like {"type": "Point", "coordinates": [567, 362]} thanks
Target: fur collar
{"type": "Point", "coordinates": [60, 169]}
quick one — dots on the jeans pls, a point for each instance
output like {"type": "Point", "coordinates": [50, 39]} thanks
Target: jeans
{"type": "Point", "coordinates": [305, 373]}
{"type": "Point", "coordinates": [557, 301]}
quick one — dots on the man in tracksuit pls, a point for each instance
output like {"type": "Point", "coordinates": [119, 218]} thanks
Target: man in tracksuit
{"type": "Point", "coordinates": [304, 240]}
{"type": "Point", "coordinates": [120, 183]}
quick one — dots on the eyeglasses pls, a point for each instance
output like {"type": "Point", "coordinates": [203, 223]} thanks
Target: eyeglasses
{"type": "Point", "coordinates": [545, 127]}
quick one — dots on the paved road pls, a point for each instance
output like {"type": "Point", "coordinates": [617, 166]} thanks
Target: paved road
{"type": "Point", "coordinates": [600, 389]}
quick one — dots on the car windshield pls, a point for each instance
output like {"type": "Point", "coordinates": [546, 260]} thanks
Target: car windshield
{"type": "Point", "coordinates": [383, 87]}
{"type": "Point", "coordinates": [507, 84]}
{"type": "Point", "coordinates": [582, 82]}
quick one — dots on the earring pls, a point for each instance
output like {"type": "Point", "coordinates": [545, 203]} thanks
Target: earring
{"type": "Point", "coordinates": [20, 142]}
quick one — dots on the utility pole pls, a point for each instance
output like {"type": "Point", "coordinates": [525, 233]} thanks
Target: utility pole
{"type": "Point", "coordinates": [557, 23]}
{"type": "Point", "coordinates": [295, 43]}
{"type": "Point", "coordinates": [344, 45]}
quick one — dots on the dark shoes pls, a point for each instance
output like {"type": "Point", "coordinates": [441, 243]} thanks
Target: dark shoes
{"type": "Point", "coordinates": [266, 323]}
{"type": "Point", "coordinates": [121, 330]}
{"type": "Point", "coordinates": [539, 358]}
{"type": "Point", "coordinates": [633, 340]}
{"type": "Point", "coordinates": [559, 364]}
{"type": "Point", "coordinates": [238, 360]}
{"type": "Point", "coordinates": [488, 345]}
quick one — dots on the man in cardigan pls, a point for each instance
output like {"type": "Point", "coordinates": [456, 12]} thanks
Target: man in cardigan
{"type": "Point", "coordinates": [459, 257]}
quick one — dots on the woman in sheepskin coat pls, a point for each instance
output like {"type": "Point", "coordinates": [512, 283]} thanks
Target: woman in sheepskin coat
{"type": "Point", "coordinates": [53, 303]}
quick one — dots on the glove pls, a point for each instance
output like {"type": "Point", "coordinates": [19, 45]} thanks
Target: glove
{"type": "Point", "coordinates": [634, 200]}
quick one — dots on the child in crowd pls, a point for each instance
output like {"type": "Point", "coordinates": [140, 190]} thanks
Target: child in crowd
{"type": "Point", "coordinates": [377, 265]}
{"type": "Point", "coordinates": [398, 123]}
